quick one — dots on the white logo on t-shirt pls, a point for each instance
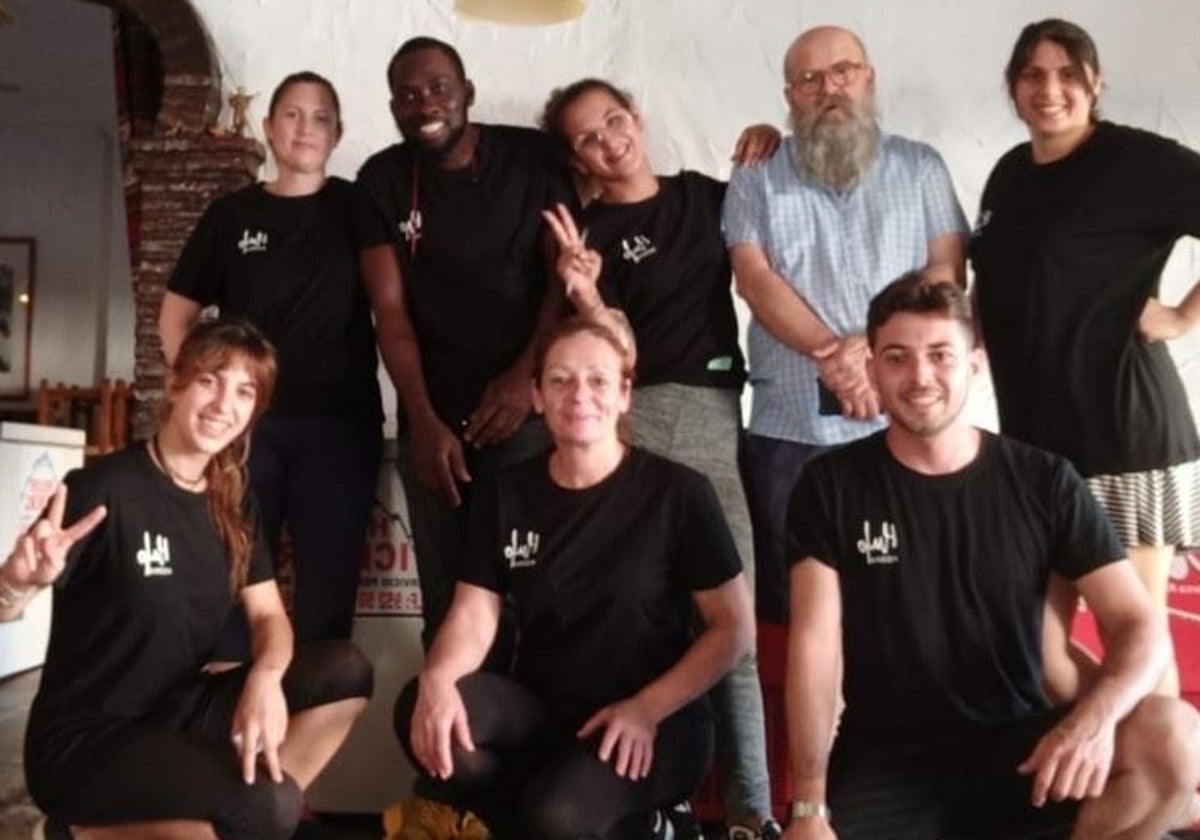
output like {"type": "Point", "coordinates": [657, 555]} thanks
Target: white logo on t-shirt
{"type": "Point", "coordinates": [521, 554]}
{"type": "Point", "coordinates": [881, 548]}
{"type": "Point", "coordinates": [637, 249]}
{"type": "Point", "coordinates": [248, 243]}
{"type": "Point", "coordinates": [410, 228]}
{"type": "Point", "coordinates": [154, 559]}
{"type": "Point", "coordinates": [981, 221]}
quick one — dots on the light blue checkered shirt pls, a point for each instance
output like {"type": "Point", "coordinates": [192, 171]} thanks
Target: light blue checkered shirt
{"type": "Point", "coordinates": [836, 251]}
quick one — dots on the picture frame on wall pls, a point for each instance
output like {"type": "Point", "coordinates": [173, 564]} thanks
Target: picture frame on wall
{"type": "Point", "coordinates": [18, 261]}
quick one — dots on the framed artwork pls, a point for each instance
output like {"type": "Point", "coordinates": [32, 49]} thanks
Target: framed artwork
{"type": "Point", "coordinates": [18, 256]}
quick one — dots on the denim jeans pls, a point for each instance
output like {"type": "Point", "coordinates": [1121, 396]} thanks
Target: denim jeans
{"type": "Point", "coordinates": [700, 427]}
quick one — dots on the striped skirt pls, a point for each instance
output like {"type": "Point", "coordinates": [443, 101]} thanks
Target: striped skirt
{"type": "Point", "coordinates": [1156, 507]}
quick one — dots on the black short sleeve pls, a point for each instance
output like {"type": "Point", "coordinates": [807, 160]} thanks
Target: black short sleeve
{"type": "Point", "coordinates": [811, 527]}
{"type": "Point", "coordinates": [1085, 539]}
{"type": "Point", "coordinates": [707, 554]}
{"type": "Point", "coordinates": [84, 492]}
{"type": "Point", "coordinates": [197, 275]}
{"type": "Point", "coordinates": [480, 564]}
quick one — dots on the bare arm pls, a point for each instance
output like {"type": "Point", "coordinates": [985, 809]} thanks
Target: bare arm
{"type": "Point", "coordinates": [437, 452]}
{"type": "Point", "coordinates": [756, 144]}
{"type": "Point", "coordinates": [40, 554]}
{"type": "Point", "coordinates": [261, 718]}
{"type": "Point", "coordinates": [775, 304]}
{"type": "Point", "coordinates": [1067, 668]}
{"type": "Point", "coordinates": [948, 258]}
{"type": "Point", "coordinates": [1074, 758]}
{"type": "Point", "coordinates": [841, 360]}
{"type": "Point", "coordinates": [728, 636]}
{"type": "Point", "coordinates": [176, 316]}
{"type": "Point", "coordinates": [1160, 322]}
{"type": "Point", "coordinates": [578, 268]}
{"type": "Point", "coordinates": [459, 648]}
{"type": "Point", "coordinates": [630, 725]}
{"type": "Point", "coordinates": [812, 684]}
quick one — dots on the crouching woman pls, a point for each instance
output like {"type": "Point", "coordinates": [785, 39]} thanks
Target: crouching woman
{"type": "Point", "coordinates": [147, 550]}
{"type": "Point", "coordinates": [609, 553]}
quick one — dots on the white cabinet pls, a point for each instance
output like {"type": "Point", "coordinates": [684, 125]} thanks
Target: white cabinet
{"type": "Point", "coordinates": [33, 460]}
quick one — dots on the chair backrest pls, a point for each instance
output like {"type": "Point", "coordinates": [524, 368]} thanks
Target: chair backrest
{"type": "Point", "coordinates": [102, 411]}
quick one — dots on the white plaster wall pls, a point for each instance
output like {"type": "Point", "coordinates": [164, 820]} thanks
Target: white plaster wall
{"type": "Point", "coordinates": [702, 69]}
{"type": "Point", "coordinates": [60, 182]}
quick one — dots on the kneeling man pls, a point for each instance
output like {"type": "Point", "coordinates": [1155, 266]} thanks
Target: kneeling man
{"type": "Point", "coordinates": [922, 554]}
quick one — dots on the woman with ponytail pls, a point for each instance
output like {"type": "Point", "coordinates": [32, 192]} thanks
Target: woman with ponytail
{"type": "Point", "coordinates": [147, 550]}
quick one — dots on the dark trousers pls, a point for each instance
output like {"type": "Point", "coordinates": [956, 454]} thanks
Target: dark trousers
{"type": "Point", "coordinates": [944, 785]}
{"type": "Point", "coordinates": [179, 764]}
{"type": "Point", "coordinates": [770, 470]}
{"type": "Point", "coordinates": [531, 778]}
{"type": "Point", "coordinates": [319, 475]}
{"type": "Point", "coordinates": [439, 532]}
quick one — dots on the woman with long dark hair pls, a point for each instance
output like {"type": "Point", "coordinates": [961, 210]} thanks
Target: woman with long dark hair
{"type": "Point", "coordinates": [1075, 227]}
{"type": "Point", "coordinates": [147, 550]}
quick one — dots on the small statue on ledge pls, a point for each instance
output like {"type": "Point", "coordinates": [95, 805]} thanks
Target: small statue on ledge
{"type": "Point", "coordinates": [239, 101]}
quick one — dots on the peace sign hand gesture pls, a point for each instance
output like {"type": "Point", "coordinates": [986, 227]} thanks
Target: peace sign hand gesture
{"type": "Point", "coordinates": [40, 553]}
{"type": "Point", "coordinates": [578, 265]}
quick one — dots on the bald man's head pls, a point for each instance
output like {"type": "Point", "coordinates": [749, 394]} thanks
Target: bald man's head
{"type": "Point", "coordinates": [830, 89]}
{"type": "Point", "coordinates": [814, 47]}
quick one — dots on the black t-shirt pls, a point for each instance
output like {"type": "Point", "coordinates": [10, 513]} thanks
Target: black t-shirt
{"type": "Point", "coordinates": [289, 265]}
{"type": "Point", "coordinates": [666, 266]}
{"type": "Point", "coordinates": [470, 250]}
{"type": "Point", "coordinates": [1065, 256]}
{"type": "Point", "coordinates": [943, 578]}
{"type": "Point", "coordinates": [601, 577]}
{"type": "Point", "coordinates": [138, 608]}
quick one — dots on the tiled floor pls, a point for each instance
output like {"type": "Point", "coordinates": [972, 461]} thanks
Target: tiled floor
{"type": "Point", "coordinates": [17, 814]}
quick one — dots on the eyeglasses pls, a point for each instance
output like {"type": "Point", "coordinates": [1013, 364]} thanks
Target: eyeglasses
{"type": "Point", "coordinates": [617, 121]}
{"type": "Point", "coordinates": [841, 74]}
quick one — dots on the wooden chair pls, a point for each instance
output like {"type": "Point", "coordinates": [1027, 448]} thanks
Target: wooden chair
{"type": "Point", "coordinates": [102, 411]}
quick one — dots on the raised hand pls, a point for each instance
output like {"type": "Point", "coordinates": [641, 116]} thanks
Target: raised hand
{"type": "Point", "coordinates": [577, 265]}
{"type": "Point", "coordinates": [755, 144]}
{"type": "Point", "coordinates": [41, 552]}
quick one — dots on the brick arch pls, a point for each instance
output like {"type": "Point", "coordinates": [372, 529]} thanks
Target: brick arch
{"type": "Point", "coordinates": [172, 175]}
{"type": "Point", "coordinates": [191, 75]}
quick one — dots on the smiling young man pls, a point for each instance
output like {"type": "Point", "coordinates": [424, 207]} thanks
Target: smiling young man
{"type": "Point", "coordinates": [457, 276]}
{"type": "Point", "coordinates": [921, 559]}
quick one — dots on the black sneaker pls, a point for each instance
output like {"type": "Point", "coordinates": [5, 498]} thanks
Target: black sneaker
{"type": "Point", "coordinates": [684, 821]}
{"type": "Point", "coordinates": [769, 830]}
{"type": "Point", "coordinates": [660, 826]}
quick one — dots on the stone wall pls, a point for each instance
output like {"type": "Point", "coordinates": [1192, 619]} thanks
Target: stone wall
{"type": "Point", "coordinates": [172, 175]}
{"type": "Point", "coordinates": [176, 178]}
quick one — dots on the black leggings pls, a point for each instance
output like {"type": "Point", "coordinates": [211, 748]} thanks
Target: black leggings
{"type": "Point", "coordinates": [179, 764]}
{"type": "Point", "coordinates": [531, 778]}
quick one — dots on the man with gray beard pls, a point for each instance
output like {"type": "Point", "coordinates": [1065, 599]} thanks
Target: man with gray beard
{"type": "Point", "coordinates": [837, 213]}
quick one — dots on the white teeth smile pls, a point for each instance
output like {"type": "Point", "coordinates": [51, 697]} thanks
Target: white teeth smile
{"type": "Point", "coordinates": [432, 127]}
{"type": "Point", "coordinates": [213, 427]}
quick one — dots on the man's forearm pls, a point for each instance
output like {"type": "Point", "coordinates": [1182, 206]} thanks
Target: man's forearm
{"type": "Point", "coordinates": [776, 305]}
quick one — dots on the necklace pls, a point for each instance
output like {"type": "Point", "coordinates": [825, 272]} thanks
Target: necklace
{"type": "Point", "coordinates": [156, 453]}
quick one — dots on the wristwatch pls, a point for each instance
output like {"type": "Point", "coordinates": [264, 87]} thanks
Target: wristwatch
{"type": "Point", "coordinates": [810, 809]}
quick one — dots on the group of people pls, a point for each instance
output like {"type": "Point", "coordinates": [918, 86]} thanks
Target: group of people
{"type": "Point", "coordinates": [595, 532]}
